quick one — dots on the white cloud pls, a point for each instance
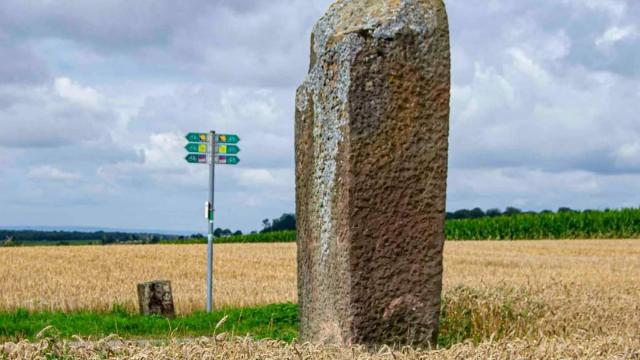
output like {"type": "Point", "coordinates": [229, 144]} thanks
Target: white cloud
{"type": "Point", "coordinates": [557, 46]}
{"type": "Point", "coordinates": [162, 160]}
{"type": "Point", "coordinates": [628, 155]}
{"type": "Point", "coordinates": [256, 177]}
{"type": "Point", "coordinates": [50, 173]}
{"type": "Point", "coordinates": [615, 34]}
{"type": "Point", "coordinates": [525, 63]}
{"type": "Point", "coordinates": [487, 92]}
{"type": "Point", "coordinates": [265, 178]}
{"type": "Point", "coordinates": [76, 93]}
{"type": "Point", "coordinates": [164, 151]}
{"type": "Point", "coordinates": [614, 8]}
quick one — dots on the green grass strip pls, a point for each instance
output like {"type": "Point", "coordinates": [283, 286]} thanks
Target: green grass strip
{"type": "Point", "coordinates": [269, 237]}
{"type": "Point", "coordinates": [279, 321]}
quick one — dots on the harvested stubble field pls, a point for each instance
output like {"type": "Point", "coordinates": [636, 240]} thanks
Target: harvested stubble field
{"type": "Point", "coordinates": [526, 299]}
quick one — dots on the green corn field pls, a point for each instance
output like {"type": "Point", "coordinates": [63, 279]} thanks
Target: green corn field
{"type": "Point", "coordinates": [609, 224]}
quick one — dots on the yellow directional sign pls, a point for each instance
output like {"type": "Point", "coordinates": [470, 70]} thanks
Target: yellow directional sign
{"type": "Point", "coordinates": [196, 148]}
{"type": "Point", "coordinates": [228, 149]}
{"type": "Point", "coordinates": [227, 138]}
{"type": "Point", "coordinates": [197, 137]}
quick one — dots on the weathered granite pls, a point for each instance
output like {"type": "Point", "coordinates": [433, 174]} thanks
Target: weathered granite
{"type": "Point", "coordinates": [155, 298]}
{"type": "Point", "coordinates": [371, 134]}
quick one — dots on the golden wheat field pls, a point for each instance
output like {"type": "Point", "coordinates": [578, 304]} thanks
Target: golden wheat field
{"type": "Point", "coordinates": [96, 277]}
{"type": "Point", "coordinates": [525, 299]}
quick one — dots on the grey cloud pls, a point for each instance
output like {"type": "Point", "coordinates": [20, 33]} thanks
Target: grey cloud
{"type": "Point", "coordinates": [109, 24]}
{"type": "Point", "coordinates": [88, 155]}
{"type": "Point", "coordinates": [542, 117]}
{"type": "Point", "coordinates": [28, 129]}
{"type": "Point", "coordinates": [622, 57]}
{"type": "Point", "coordinates": [537, 190]}
{"type": "Point", "coordinates": [20, 64]}
{"type": "Point", "coordinates": [239, 43]}
{"type": "Point", "coordinates": [521, 98]}
{"type": "Point", "coordinates": [37, 116]}
{"type": "Point", "coordinates": [485, 31]}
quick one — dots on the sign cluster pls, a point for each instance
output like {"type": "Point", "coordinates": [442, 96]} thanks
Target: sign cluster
{"type": "Point", "coordinates": [200, 152]}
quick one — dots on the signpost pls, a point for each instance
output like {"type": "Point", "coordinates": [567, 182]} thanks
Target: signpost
{"type": "Point", "coordinates": [200, 148]}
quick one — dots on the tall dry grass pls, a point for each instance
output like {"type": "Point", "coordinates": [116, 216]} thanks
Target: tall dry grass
{"type": "Point", "coordinates": [210, 348]}
{"type": "Point", "coordinates": [572, 287]}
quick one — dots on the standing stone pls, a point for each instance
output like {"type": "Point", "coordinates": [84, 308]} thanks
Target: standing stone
{"type": "Point", "coordinates": [155, 298]}
{"type": "Point", "coordinates": [372, 123]}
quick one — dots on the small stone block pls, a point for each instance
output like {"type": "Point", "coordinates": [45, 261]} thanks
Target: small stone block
{"type": "Point", "coordinates": [155, 298]}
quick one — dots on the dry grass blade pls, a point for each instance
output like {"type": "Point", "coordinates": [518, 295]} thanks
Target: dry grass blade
{"type": "Point", "coordinates": [41, 334]}
{"type": "Point", "coordinates": [220, 323]}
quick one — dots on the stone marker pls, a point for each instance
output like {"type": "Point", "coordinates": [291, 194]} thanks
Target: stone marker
{"type": "Point", "coordinates": [372, 123]}
{"type": "Point", "coordinates": [155, 298]}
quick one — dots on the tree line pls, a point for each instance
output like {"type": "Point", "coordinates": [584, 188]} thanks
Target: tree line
{"type": "Point", "coordinates": [478, 213]}
{"type": "Point", "coordinates": [287, 221]}
{"type": "Point", "coordinates": [18, 237]}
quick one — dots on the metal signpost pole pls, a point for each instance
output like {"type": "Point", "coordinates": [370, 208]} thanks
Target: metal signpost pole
{"type": "Point", "coordinates": [212, 167]}
{"type": "Point", "coordinates": [211, 148]}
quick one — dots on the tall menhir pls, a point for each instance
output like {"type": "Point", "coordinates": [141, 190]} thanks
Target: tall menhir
{"type": "Point", "coordinates": [372, 123]}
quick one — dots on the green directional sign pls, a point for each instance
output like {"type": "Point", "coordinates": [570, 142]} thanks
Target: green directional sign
{"type": "Point", "coordinates": [228, 149]}
{"type": "Point", "coordinates": [196, 159]}
{"type": "Point", "coordinates": [197, 137]}
{"type": "Point", "coordinates": [197, 148]}
{"type": "Point", "coordinates": [227, 160]}
{"type": "Point", "coordinates": [227, 138]}
{"type": "Point", "coordinates": [220, 138]}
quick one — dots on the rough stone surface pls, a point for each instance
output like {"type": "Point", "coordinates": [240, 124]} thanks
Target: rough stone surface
{"type": "Point", "coordinates": [155, 298]}
{"type": "Point", "coordinates": [372, 123]}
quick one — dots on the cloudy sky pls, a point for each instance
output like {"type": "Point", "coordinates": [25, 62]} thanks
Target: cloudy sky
{"type": "Point", "coordinates": [96, 96]}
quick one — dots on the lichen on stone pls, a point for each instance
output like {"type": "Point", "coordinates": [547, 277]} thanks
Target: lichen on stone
{"type": "Point", "coordinates": [328, 84]}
